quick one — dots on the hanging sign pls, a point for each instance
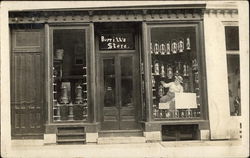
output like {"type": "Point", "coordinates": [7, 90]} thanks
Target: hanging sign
{"type": "Point", "coordinates": [116, 41]}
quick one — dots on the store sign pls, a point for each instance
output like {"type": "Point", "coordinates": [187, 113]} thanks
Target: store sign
{"type": "Point", "coordinates": [116, 41]}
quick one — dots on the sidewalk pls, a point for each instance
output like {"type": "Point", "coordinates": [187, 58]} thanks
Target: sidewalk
{"type": "Point", "coordinates": [148, 150]}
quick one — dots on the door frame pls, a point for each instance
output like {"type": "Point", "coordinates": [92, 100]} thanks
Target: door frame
{"type": "Point", "coordinates": [118, 92]}
{"type": "Point", "coordinates": [131, 27]}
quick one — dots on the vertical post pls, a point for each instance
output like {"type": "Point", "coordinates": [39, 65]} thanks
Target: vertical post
{"type": "Point", "coordinates": [147, 68]}
{"type": "Point", "coordinates": [93, 73]}
{"type": "Point", "coordinates": [48, 88]}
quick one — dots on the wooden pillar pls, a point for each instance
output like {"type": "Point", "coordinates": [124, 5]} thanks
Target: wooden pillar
{"type": "Point", "coordinates": [94, 112]}
{"type": "Point", "coordinates": [147, 68]}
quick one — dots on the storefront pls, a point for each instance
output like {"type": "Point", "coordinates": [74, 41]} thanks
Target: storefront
{"type": "Point", "coordinates": [78, 75]}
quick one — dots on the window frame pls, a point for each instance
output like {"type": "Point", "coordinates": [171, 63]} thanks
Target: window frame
{"type": "Point", "coordinates": [229, 53]}
{"type": "Point", "coordinates": [49, 66]}
{"type": "Point", "coordinates": [198, 25]}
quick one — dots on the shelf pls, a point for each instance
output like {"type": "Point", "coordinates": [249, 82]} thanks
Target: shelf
{"type": "Point", "coordinates": [76, 77]}
{"type": "Point", "coordinates": [126, 77]}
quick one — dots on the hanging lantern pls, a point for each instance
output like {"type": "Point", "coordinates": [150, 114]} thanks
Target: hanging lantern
{"type": "Point", "coordinates": [156, 48]}
{"type": "Point", "coordinates": [168, 48]}
{"type": "Point", "coordinates": [162, 71]}
{"type": "Point", "coordinates": [162, 49]}
{"type": "Point", "coordinates": [157, 71]}
{"type": "Point", "coordinates": [151, 48]}
{"type": "Point", "coordinates": [181, 46]}
{"type": "Point", "coordinates": [174, 47]}
{"type": "Point", "coordinates": [169, 72]}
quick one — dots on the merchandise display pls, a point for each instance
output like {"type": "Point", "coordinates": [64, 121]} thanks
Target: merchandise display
{"type": "Point", "coordinates": [174, 66]}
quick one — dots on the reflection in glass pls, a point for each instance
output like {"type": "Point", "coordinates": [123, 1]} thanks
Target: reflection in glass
{"type": "Point", "coordinates": [233, 69]}
{"type": "Point", "coordinates": [109, 82]}
{"type": "Point", "coordinates": [126, 81]}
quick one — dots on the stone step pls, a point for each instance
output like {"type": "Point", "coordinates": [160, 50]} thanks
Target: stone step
{"type": "Point", "coordinates": [120, 140]}
{"type": "Point", "coordinates": [120, 133]}
{"type": "Point", "coordinates": [71, 141]}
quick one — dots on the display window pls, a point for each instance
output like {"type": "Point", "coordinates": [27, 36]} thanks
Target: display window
{"type": "Point", "coordinates": [175, 72]}
{"type": "Point", "coordinates": [70, 82]}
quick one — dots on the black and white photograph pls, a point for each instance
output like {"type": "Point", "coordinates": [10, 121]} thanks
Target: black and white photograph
{"type": "Point", "coordinates": [121, 79]}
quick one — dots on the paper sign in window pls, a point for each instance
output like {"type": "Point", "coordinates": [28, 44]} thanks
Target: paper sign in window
{"type": "Point", "coordinates": [185, 100]}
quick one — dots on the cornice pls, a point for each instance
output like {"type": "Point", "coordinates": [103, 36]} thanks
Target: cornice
{"type": "Point", "coordinates": [153, 13]}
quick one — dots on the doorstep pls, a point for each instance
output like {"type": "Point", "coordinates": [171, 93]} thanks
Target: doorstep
{"type": "Point", "coordinates": [120, 140]}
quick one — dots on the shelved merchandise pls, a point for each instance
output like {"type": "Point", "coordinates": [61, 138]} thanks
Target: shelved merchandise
{"type": "Point", "coordinates": [173, 55]}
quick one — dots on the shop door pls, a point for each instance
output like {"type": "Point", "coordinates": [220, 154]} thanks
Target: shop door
{"type": "Point", "coordinates": [119, 91]}
{"type": "Point", "coordinates": [27, 84]}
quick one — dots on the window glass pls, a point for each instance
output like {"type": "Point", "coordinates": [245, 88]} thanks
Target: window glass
{"type": "Point", "coordinates": [109, 83]}
{"type": "Point", "coordinates": [232, 37]}
{"type": "Point", "coordinates": [175, 73]}
{"type": "Point", "coordinates": [127, 81]}
{"type": "Point", "coordinates": [233, 70]}
{"type": "Point", "coordinates": [69, 75]}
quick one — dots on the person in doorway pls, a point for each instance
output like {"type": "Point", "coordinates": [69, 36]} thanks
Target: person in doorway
{"type": "Point", "coordinates": [174, 87]}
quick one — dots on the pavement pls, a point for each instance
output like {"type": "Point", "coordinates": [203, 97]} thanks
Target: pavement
{"type": "Point", "coordinates": [176, 149]}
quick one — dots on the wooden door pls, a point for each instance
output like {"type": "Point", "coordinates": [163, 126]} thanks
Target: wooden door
{"type": "Point", "coordinates": [119, 91]}
{"type": "Point", "coordinates": [27, 83]}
